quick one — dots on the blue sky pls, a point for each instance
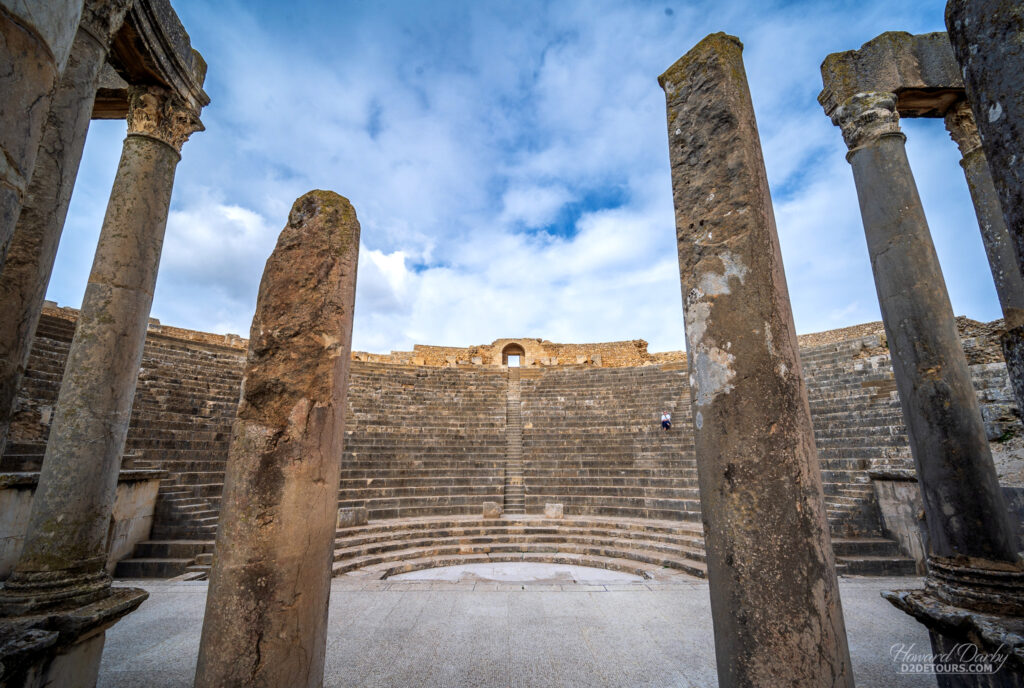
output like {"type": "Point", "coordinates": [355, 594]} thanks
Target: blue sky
{"type": "Point", "coordinates": [508, 162]}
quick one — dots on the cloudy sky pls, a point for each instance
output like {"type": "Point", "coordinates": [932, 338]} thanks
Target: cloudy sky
{"type": "Point", "coordinates": [509, 164]}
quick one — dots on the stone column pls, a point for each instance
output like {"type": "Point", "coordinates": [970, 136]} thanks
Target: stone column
{"type": "Point", "coordinates": [33, 247]}
{"type": "Point", "coordinates": [35, 39]}
{"type": "Point", "coordinates": [970, 532]}
{"type": "Point", "coordinates": [65, 547]}
{"type": "Point", "coordinates": [1006, 271]}
{"type": "Point", "coordinates": [774, 595]}
{"type": "Point", "coordinates": [266, 612]}
{"type": "Point", "coordinates": [988, 42]}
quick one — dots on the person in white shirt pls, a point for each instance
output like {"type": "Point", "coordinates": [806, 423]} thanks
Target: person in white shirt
{"type": "Point", "coordinates": [666, 420]}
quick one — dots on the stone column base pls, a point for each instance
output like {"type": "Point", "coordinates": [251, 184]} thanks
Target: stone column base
{"type": "Point", "coordinates": [63, 647]}
{"type": "Point", "coordinates": [966, 635]}
{"type": "Point", "coordinates": [993, 587]}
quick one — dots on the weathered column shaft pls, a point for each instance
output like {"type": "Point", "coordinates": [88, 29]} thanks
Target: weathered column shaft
{"type": "Point", "coordinates": [34, 46]}
{"type": "Point", "coordinates": [1002, 259]}
{"type": "Point", "coordinates": [33, 247]}
{"type": "Point", "coordinates": [266, 612]}
{"type": "Point", "coordinates": [966, 512]}
{"type": "Point", "coordinates": [65, 547]}
{"type": "Point", "coordinates": [774, 594]}
{"type": "Point", "coordinates": [988, 41]}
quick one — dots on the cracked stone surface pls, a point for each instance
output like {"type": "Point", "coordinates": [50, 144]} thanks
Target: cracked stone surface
{"type": "Point", "coordinates": [269, 587]}
{"type": "Point", "coordinates": [774, 594]}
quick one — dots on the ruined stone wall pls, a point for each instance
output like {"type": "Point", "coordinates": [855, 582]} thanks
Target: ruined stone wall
{"type": "Point", "coordinates": [537, 352]}
{"type": "Point", "coordinates": [429, 440]}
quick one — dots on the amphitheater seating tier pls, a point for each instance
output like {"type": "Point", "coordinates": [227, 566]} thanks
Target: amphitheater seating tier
{"type": "Point", "coordinates": [426, 447]}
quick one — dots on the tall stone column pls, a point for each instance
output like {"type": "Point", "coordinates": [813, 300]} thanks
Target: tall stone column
{"type": "Point", "coordinates": [972, 540]}
{"type": "Point", "coordinates": [33, 247]}
{"type": "Point", "coordinates": [35, 39]}
{"type": "Point", "coordinates": [266, 612]}
{"type": "Point", "coordinates": [65, 547]}
{"type": "Point", "coordinates": [1006, 271]}
{"type": "Point", "coordinates": [774, 594]}
{"type": "Point", "coordinates": [988, 42]}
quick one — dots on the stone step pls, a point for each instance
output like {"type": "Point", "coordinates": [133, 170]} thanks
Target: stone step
{"type": "Point", "coordinates": [151, 567]}
{"type": "Point", "coordinates": [403, 561]}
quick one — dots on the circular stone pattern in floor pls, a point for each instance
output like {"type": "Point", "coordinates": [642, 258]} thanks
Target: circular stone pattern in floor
{"type": "Point", "coordinates": [520, 572]}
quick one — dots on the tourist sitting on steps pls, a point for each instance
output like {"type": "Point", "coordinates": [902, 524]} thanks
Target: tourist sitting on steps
{"type": "Point", "coordinates": [666, 420]}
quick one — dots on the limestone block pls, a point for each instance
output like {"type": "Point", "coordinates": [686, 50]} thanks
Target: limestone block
{"type": "Point", "coordinates": [552, 510]}
{"type": "Point", "coordinates": [492, 510]}
{"type": "Point", "coordinates": [352, 516]}
{"type": "Point", "coordinates": [902, 516]}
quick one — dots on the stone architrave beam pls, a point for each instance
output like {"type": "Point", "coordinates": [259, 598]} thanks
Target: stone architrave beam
{"type": "Point", "coordinates": [35, 41]}
{"type": "Point", "coordinates": [922, 73]}
{"type": "Point", "coordinates": [266, 612]}
{"type": "Point", "coordinates": [774, 594]}
{"type": "Point", "coordinates": [919, 69]}
{"type": "Point", "coordinates": [33, 247]}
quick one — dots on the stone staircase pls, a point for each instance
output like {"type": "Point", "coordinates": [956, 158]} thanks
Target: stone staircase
{"type": "Point", "coordinates": [592, 441]}
{"type": "Point", "coordinates": [858, 426]}
{"type": "Point", "coordinates": [385, 548]}
{"type": "Point", "coordinates": [641, 546]}
{"type": "Point", "coordinates": [515, 495]}
{"type": "Point", "coordinates": [185, 404]}
{"type": "Point", "coordinates": [423, 441]}
{"type": "Point", "coordinates": [430, 445]}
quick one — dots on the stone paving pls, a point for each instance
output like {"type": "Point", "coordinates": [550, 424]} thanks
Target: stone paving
{"type": "Point", "coordinates": [477, 632]}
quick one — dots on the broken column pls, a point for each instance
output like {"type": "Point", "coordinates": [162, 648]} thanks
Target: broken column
{"type": "Point", "coordinates": [33, 247]}
{"type": "Point", "coordinates": [988, 42]}
{"type": "Point", "coordinates": [35, 39]}
{"type": "Point", "coordinates": [1006, 271]}
{"type": "Point", "coordinates": [64, 555]}
{"type": "Point", "coordinates": [774, 593]}
{"type": "Point", "coordinates": [266, 612]}
{"type": "Point", "coordinates": [972, 540]}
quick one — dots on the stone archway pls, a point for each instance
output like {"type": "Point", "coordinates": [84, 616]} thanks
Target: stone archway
{"type": "Point", "coordinates": [515, 352]}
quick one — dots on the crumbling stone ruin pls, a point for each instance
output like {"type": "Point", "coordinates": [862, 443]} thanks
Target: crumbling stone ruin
{"type": "Point", "coordinates": [266, 620]}
{"type": "Point", "coordinates": [131, 449]}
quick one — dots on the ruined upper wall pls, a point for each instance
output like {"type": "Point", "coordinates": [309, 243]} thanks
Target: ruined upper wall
{"type": "Point", "coordinates": [981, 343]}
{"type": "Point", "coordinates": [535, 352]}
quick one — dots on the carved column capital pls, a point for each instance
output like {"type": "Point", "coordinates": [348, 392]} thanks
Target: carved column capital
{"type": "Point", "coordinates": [159, 113]}
{"type": "Point", "coordinates": [866, 117]}
{"type": "Point", "coordinates": [962, 128]}
{"type": "Point", "coordinates": [101, 19]}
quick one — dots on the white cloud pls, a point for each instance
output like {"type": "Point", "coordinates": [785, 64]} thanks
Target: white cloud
{"type": "Point", "coordinates": [534, 206]}
{"type": "Point", "coordinates": [453, 127]}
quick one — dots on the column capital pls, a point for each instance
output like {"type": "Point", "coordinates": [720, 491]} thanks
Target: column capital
{"type": "Point", "coordinates": [962, 128]}
{"type": "Point", "coordinates": [161, 114]}
{"type": "Point", "coordinates": [866, 117]}
{"type": "Point", "coordinates": [101, 19]}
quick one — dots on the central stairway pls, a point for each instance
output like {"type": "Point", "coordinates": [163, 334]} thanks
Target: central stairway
{"type": "Point", "coordinates": [515, 494]}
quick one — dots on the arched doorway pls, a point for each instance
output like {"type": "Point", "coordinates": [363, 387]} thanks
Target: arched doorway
{"type": "Point", "coordinates": [512, 355]}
